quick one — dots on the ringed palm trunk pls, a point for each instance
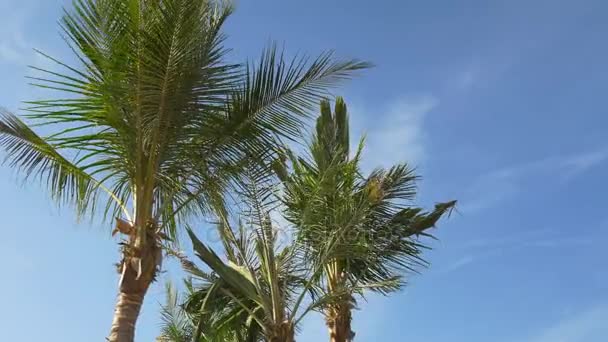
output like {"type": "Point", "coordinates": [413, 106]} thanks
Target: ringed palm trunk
{"type": "Point", "coordinates": [338, 319]}
{"type": "Point", "coordinates": [338, 316]}
{"type": "Point", "coordinates": [138, 270]}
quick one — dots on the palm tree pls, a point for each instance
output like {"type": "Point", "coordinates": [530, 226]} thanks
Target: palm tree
{"type": "Point", "coordinates": [258, 294]}
{"type": "Point", "coordinates": [181, 325]}
{"type": "Point", "coordinates": [205, 313]}
{"type": "Point", "coordinates": [176, 325]}
{"type": "Point", "coordinates": [326, 193]}
{"type": "Point", "coordinates": [156, 119]}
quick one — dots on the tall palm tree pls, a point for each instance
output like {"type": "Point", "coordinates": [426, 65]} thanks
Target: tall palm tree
{"type": "Point", "coordinates": [327, 193]}
{"type": "Point", "coordinates": [156, 119]}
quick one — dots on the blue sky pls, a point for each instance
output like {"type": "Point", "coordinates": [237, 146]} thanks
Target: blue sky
{"type": "Point", "coordinates": [500, 104]}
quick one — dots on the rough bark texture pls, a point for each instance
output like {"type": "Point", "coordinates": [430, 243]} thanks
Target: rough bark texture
{"type": "Point", "coordinates": [138, 270]}
{"type": "Point", "coordinates": [338, 319]}
{"type": "Point", "coordinates": [284, 333]}
{"type": "Point", "coordinates": [125, 315]}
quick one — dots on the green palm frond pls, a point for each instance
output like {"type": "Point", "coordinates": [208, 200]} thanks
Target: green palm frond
{"type": "Point", "coordinates": [204, 314]}
{"type": "Point", "coordinates": [232, 274]}
{"type": "Point", "coordinates": [175, 325]}
{"type": "Point", "coordinates": [277, 88]}
{"type": "Point", "coordinates": [35, 157]}
{"type": "Point", "coordinates": [219, 313]}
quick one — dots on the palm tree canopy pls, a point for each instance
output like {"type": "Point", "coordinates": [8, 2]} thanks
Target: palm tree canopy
{"type": "Point", "coordinates": [262, 286]}
{"type": "Point", "coordinates": [176, 325]}
{"type": "Point", "coordinates": [186, 318]}
{"type": "Point", "coordinates": [255, 291]}
{"type": "Point", "coordinates": [347, 224]}
{"type": "Point", "coordinates": [154, 115]}
{"type": "Point", "coordinates": [327, 193]}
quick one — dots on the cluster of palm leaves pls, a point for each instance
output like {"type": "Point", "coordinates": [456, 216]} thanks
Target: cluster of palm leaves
{"type": "Point", "coordinates": [351, 233]}
{"type": "Point", "coordinates": [152, 126]}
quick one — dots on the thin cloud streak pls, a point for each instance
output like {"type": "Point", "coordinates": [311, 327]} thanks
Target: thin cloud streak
{"type": "Point", "coordinates": [396, 133]}
{"type": "Point", "coordinates": [458, 264]}
{"type": "Point", "coordinates": [486, 248]}
{"type": "Point", "coordinates": [494, 187]}
{"type": "Point", "coordinates": [14, 47]}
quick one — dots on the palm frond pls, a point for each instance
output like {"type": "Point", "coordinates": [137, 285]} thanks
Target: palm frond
{"type": "Point", "coordinates": [35, 157]}
{"type": "Point", "coordinates": [175, 325]}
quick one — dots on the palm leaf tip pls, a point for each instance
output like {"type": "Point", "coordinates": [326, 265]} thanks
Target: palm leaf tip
{"type": "Point", "coordinates": [282, 93]}
{"type": "Point", "coordinates": [424, 221]}
{"type": "Point", "coordinates": [445, 208]}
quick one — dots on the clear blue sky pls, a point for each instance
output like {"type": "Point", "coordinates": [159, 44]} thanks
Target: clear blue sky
{"type": "Point", "coordinates": [501, 104]}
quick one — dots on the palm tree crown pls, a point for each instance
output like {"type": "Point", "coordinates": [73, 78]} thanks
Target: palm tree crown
{"type": "Point", "coordinates": [327, 193]}
{"type": "Point", "coordinates": [259, 292]}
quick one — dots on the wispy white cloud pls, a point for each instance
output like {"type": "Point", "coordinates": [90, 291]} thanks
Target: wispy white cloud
{"type": "Point", "coordinates": [14, 47]}
{"type": "Point", "coordinates": [501, 184]}
{"type": "Point", "coordinates": [395, 133]}
{"type": "Point", "coordinates": [485, 248]}
{"type": "Point", "coordinates": [583, 162]}
{"type": "Point", "coordinates": [458, 264]}
{"type": "Point", "coordinates": [467, 78]}
{"type": "Point", "coordinates": [17, 44]}
{"type": "Point", "coordinates": [586, 326]}
{"type": "Point", "coordinates": [483, 71]}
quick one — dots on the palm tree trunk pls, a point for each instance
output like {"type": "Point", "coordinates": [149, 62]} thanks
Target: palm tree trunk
{"type": "Point", "coordinates": [285, 333]}
{"type": "Point", "coordinates": [125, 316]}
{"type": "Point", "coordinates": [338, 319]}
{"type": "Point", "coordinates": [138, 271]}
